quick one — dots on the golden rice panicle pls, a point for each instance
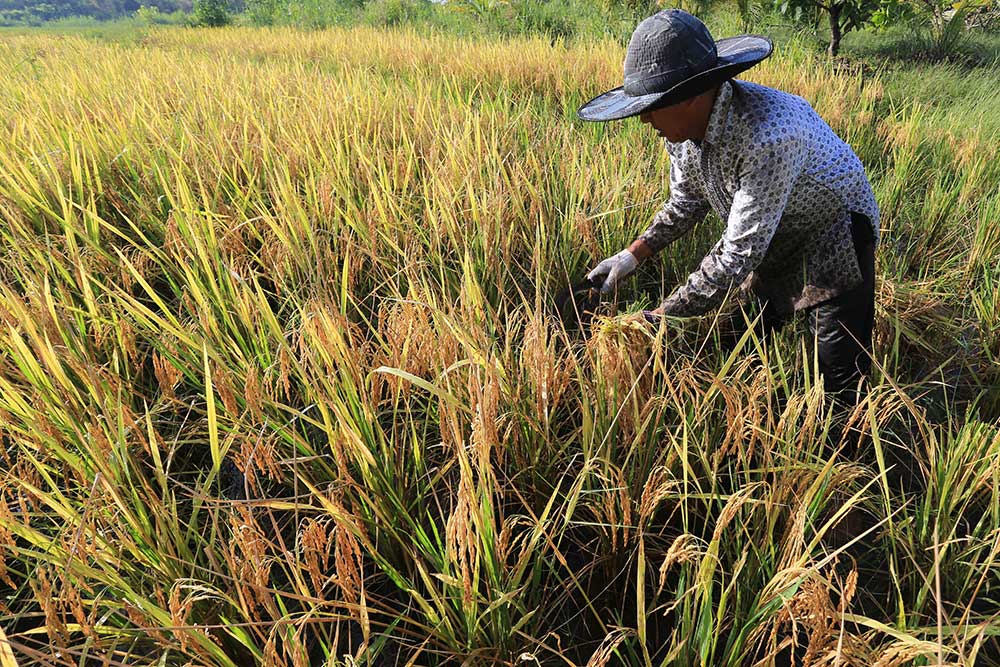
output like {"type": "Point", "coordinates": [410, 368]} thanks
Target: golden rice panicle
{"type": "Point", "coordinates": [685, 548]}
{"type": "Point", "coordinates": [144, 621]}
{"type": "Point", "coordinates": [6, 538]}
{"type": "Point", "coordinates": [167, 375]}
{"type": "Point", "coordinates": [410, 341]}
{"type": "Point", "coordinates": [180, 610]}
{"type": "Point", "coordinates": [618, 355]}
{"type": "Point", "coordinates": [349, 567]}
{"type": "Point", "coordinates": [584, 228]}
{"type": "Point", "coordinates": [253, 392]}
{"type": "Point", "coordinates": [257, 455]}
{"type": "Point", "coordinates": [249, 556]}
{"type": "Point", "coordinates": [607, 650]}
{"type": "Point", "coordinates": [659, 486]}
{"type": "Point", "coordinates": [330, 343]}
{"type": "Point", "coordinates": [903, 652]}
{"type": "Point", "coordinates": [745, 497]}
{"type": "Point", "coordinates": [282, 380]}
{"type": "Point", "coordinates": [812, 612]}
{"type": "Point", "coordinates": [613, 507]}
{"type": "Point", "coordinates": [462, 543]}
{"type": "Point", "coordinates": [222, 385]}
{"type": "Point", "coordinates": [745, 393]}
{"type": "Point", "coordinates": [618, 351]}
{"type": "Point", "coordinates": [415, 338]}
{"type": "Point", "coordinates": [484, 387]}
{"type": "Point", "coordinates": [317, 550]}
{"type": "Point", "coordinates": [546, 367]}
{"type": "Point", "coordinates": [47, 597]}
{"type": "Point", "coordinates": [73, 601]}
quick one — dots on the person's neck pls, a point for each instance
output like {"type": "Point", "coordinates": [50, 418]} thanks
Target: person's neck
{"type": "Point", "coordinates": [705, 104]}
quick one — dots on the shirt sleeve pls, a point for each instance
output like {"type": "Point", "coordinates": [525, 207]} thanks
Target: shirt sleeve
{"type": "Point", "coordinates": [765, 183]}
{"type": "Point", "coordinates": [686, 207]}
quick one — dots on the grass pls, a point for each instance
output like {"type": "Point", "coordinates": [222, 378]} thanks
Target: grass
{"type": "Point", "coordinates": [282, 384]}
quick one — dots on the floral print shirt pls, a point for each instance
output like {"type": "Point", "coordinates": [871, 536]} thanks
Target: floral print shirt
{"type": "Point", "coordinates": [785, 185]}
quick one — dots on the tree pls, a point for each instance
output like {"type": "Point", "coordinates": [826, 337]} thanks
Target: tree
{"type": "Point", "coordinates": [843, 15]}
{"type": "Point", "coordinates": [212, 13]}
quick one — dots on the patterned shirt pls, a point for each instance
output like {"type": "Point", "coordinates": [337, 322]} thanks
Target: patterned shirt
{"type": "Point", "coordinates": [785, 184]}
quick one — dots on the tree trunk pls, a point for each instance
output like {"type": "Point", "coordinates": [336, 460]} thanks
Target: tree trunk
{"type": "Point", "coordinates": [835, 31]}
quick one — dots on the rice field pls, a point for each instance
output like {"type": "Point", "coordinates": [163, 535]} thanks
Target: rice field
{"type": "Point", "coordinates": [283, 382]}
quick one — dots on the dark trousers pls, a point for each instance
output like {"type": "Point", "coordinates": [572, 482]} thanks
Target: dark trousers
{"type": "Point", "coordinates": [842, 326]}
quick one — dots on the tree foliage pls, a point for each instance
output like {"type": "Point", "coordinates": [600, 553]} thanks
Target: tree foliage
{"type": "Point", "coordinates": [843, 15]}
{"type": "Point", "coordinates": [36, 11]}
{"type": "Point", "coordinates": [940, 24]}
{"type": "Point", "coordinates": [211, 13]}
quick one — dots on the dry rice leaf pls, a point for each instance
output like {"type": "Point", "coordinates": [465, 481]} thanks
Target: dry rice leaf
{"type": "Point", "coordinates": [6, 653]}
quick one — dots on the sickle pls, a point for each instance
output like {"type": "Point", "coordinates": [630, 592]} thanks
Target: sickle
{"type": "Point", "coordinates": [576, 304]}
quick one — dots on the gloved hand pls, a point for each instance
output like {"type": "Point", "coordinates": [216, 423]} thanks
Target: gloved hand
{"type": "Point", "coordinates": [613, 269]}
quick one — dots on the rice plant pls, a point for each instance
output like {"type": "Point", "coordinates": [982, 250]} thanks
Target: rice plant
{"type": "Point", "coordinates": [283, 382]}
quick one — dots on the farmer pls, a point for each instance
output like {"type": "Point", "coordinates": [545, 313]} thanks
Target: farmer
{"type": "Point", "coordinates": [801, 220]}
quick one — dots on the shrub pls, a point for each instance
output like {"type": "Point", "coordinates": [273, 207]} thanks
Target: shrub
{"type": "Point", "coordinates": [147, 16]}
{"type": "Point", "coordinates": [555, 19]}
{"type": "Point", "coordinates": [939, 26]}
{"type": "Point", "coordinates": [211, 13]}
{"type": "Point", "coordinates": [262, 12]}
{"type": "Point", "coordinates": [395, 12]}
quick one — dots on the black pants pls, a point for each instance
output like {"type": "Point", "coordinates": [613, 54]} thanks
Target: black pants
{"type": "Point", "coordinates": [842, 325]}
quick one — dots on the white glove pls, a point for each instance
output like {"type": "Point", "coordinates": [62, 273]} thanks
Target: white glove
{"type": "Point", "coordinates": [615, 268]}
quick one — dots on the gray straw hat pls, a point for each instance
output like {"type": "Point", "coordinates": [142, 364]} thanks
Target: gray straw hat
{"type": "Point", "coordinates": [672, 57]}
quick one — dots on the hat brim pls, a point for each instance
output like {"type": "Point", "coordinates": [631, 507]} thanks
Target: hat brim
{"type": "Point", "coordinates": [735, 55]}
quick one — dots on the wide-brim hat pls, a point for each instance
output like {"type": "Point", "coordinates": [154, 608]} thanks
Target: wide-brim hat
{"type": "Point", "coordinates": [670, 58]}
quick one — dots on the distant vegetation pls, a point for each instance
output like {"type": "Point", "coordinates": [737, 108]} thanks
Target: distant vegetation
{"type": "Point", "coordinates": [931, 29]}
{"type": "Point", "coordinates": [31, 12]}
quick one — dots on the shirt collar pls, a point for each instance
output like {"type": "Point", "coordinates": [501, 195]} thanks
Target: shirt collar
{"type": "Point", "coordinates": [719, 117]}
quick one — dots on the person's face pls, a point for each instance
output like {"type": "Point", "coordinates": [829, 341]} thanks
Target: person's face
{"type": "Point", "coordinates": [677, 122]}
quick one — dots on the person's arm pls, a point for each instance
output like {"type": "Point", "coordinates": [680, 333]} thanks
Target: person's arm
{"type": "Point", "coordinates": [766, 180]}
{"type": "Point", "coordinates": [685, 207]}
{"type": "Point", "coordinates": [641, 250]}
